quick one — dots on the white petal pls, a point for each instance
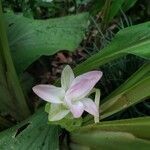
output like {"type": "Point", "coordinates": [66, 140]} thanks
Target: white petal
{"type": "Point", "coordinates": [77, 109]}
{"type": "Point", "coordinates": [90, 106]}
{"type": "Point", "coordinates": [49, 93]}
{"type": "Point", "coordinates": [67, 77]}
{"type": "Point", "coordinates": [57, 112]}
{"type": "Point", "coordinates": [83, 84]}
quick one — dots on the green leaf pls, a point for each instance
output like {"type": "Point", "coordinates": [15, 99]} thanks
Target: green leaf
{"type": "Point", "coordinates": [33, 134]}
{"type": "Point", "coordinates": [125, 125]}
{"type": "Point", "coordinates": [128, 4]}
{"type": "Point", "coordinates": [142, 72]}
{"type": "Point", "coordinates": [12, 100]}
{"type": "Point", "coordinates": [126, 97]}
{"type": "Point", "coordinates": [107, 140]}
{"type": "Point", "coordinates": [132, 40]}
{"type": "Point", "coordinates": [110, 10]}
{"type": "Point", "coordinates": [115, 135]}
{"type": "Point", "coordinates": [97, 6]}
{"type": "Point", "coordinates": [115, 8]}
{"type": "Point", "coordinates": [29, 39]}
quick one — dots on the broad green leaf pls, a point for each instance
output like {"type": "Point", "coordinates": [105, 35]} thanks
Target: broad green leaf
{"type": "Point", "coordinates": [132, 40]}
{"type": "Point", "coordinates": [29, 39]}
{"type": "Point", "coordinates": [136, 77]}
{"type": "Point", "coordinates": [132, 96]}
{"type": "Point", "coordinates": [33, 134]}
{"type": "Point", "coordinates": [12, 100]}
{"type": "Point", "coordinates": [125, 125]}
{"type": "Point", "coordinates": [115, 135]}
{"type": "Point", "coordinates": [106, 140]}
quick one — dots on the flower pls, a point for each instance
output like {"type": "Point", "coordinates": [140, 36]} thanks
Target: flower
{"type": "Point", "coordinates": [72, 96]}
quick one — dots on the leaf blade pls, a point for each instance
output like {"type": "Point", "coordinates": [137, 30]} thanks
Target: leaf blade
{"type": "Point", "coordinates": [123, 134]}
{"type": "Point", "coordinates": [33, 133]}
{"type": "Point", "coordinates": [137, 44]}
{"type": "Point", "coordinates": [29, 39]}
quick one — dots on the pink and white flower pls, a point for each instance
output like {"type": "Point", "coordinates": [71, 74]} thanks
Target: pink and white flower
{"type": "Point", "coordinates": [72, 96]}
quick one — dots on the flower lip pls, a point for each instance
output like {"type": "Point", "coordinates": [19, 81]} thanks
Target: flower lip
{"type": "Point", "coordinates": [77, 109]}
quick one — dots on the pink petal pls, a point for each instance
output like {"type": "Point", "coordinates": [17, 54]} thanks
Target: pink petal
{"type": "Point", "coordinates": [83, 84]}
{"type": "Point", "coordinates": [67, 77]}
{"type": "Point", "coordinates": [77, 109]}
{"type": "Point", "coordinates": [92, 75]}
{"type": "Point", "coordinates": [90, 106]}
{"type": "Point", "coordinates": [49, 93]}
